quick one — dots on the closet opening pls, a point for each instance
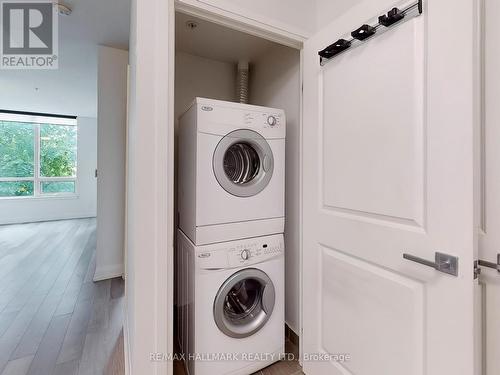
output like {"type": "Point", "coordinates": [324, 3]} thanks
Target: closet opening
{"type": "Point", "coordinates": [216, 62]}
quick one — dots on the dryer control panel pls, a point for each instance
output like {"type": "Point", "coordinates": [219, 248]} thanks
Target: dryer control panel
{"type": "Point", "coordinates": [221, 118]}
{"type": "Point", "coordinates": [240, 253]}
{"type": "Point", "coordinates": [265, 120]}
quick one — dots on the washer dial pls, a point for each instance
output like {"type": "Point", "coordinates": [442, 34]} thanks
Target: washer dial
{"type": "Point", "coordinates": [245, 254]}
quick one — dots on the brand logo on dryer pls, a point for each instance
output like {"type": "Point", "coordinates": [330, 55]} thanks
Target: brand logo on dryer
{"type": "Point", "coordinates": [204, 255]}
{"type": "Point", "coordinates": [206, 108]}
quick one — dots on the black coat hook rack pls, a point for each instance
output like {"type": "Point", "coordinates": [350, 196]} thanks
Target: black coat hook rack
{"type": "Point", "coordinates": [401, 13]}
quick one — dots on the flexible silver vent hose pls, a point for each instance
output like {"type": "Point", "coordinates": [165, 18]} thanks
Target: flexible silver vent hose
{"type": "Point", "coordinates": [242, 82]}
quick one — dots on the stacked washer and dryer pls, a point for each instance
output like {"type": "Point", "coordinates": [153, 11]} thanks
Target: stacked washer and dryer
{"type": "Point", "coordinates": [230, 248]}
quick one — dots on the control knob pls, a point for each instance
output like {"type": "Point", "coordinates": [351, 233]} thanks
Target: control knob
{"type": "Point", "coordinates": [271, 120]}
{"type": "Point", "coordinates": [245, 254]}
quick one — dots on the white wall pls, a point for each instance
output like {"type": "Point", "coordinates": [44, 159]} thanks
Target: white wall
{"type": "Point", "coordinates": [294, 16]}
{"type": "Point", "coordinates": [328, 10]}
{"type": "Point", "coordinates": [70, 89]}
{"type": "Point", "coordinates": [21, 210]}
{"type": "Point", "coordinates": [275, 82]}
{"type": "Point", "coordinates": [198, 76]}
{"type": "Point", "coordinates": [111, 141]}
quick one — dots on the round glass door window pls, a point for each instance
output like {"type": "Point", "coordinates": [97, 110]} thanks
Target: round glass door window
{"type": "Point", "coordinates": [243, 163]}
{"type": "Point", "coordinates": [244, 303]}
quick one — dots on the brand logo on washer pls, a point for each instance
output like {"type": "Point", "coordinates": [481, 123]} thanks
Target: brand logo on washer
{"type": "Point", "coordinates": [204, 255]}
{"type": "Point", "coordinates": [206, 108]}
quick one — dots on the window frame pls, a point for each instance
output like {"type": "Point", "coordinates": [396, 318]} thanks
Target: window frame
{"type": "Point", "coordinates": [36, 120]}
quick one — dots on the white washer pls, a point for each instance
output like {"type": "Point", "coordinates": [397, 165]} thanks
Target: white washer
{"type": "Point", "coordinates": [230, 304]}
{"type": "Point", "coordinates": [231, 171]}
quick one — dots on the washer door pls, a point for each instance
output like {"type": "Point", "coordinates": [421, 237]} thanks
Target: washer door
{"type": "Point", "coordinates": [244, 303]}
{"type": "Point", "coordinates": [243, 163]}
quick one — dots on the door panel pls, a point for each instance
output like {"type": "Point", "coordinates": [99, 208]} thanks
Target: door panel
{"type": "Point", "coordinates": [379, 301]}
{"type": "Point", "coordinates": [366, 174]}
{"type": "Point", "coordinates": [389, 157]}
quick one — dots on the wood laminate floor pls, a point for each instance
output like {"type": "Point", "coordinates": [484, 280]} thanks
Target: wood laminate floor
{"type": "Point", "coordinates": [54, 320]}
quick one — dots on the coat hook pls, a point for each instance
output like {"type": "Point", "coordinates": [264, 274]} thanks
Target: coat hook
{"type": "Point", "coordinates": [363, 32]}
{"type": "Point", "coordinates": [335, 48]}
{"type": "Point", "coordinates": [393, 16]}
{"type": "Point", "coordinates": [372, 28]}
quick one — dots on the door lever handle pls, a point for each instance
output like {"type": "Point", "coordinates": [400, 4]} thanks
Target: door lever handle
{"type": "Point", "coordinates": [443, 262]}
{"type": "Point", "coordinates": [495, 266]}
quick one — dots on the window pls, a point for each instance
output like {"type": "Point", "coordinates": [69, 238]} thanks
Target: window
{"type": "Point", "coordinates": [37, 155]}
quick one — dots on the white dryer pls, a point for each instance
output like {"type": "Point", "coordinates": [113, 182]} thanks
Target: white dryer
{"type": "Point", "coordinates": [230, 301]}
{"type": "Point", "coordinates": [231, 171]}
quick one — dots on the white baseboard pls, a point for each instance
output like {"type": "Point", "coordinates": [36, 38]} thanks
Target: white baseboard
{"type": "Point", "coordinates": [26, 220]}
{"type": "Point", "coordinates": [108, 272]}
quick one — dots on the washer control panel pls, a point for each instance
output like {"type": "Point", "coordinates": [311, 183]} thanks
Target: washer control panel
{"type": "Point", "coordinates": [240, 253]}
{"type": "Point", "coordinates": [254, 250]}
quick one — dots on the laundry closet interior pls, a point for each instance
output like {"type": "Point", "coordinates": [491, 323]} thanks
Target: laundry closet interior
{"type": "Point", "coordinates": [207, 57]}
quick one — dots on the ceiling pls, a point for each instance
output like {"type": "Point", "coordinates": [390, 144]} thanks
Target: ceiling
{"type": "Point", "coordinates": [231, 45]}
{"type": "Point", "coordinates": [71, 89]}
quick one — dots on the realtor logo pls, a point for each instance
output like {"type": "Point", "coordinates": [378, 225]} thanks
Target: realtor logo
{"type": "Point", "coordinates": [28, 35]}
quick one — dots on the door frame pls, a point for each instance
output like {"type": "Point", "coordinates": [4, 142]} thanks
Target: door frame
{"type": "Point", "coordinates": [241, 23]}
{"type": "Point", "coordinates": [148, 321]}
{"type": "Point", "coordinates": [262, 30]}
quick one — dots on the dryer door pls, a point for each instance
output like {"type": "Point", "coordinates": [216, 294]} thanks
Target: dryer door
{"type": "Point", "coordinates": [244, 303]}
{"type": "Point", "coordinates": [243, 163]}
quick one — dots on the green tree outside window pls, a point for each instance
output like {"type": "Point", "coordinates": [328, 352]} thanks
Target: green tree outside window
{"type": "Point", "coordinates": [58, 158]}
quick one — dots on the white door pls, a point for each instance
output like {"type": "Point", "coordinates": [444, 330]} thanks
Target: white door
{"type": "Point", "coordinates": [389, 161]}
{"type": "Point", "coordinates": [489, 246]}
